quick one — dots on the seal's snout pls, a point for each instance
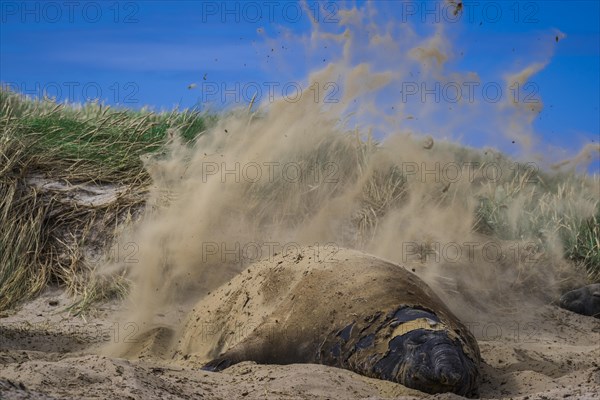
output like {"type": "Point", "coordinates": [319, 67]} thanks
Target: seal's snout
{"type": "Point", "coordinates": [450, 377]}
{"type": "Point", "coordinates": [447, 363]}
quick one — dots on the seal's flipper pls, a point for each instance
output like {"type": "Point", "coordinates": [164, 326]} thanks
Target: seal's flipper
{"type": "Point", "coordinates": [218, 364]}
{"type": "Point", "coordinates": [251, 349]}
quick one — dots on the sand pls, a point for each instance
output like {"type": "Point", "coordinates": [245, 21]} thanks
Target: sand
{"type": "Point", "coordinates": [46, 353]}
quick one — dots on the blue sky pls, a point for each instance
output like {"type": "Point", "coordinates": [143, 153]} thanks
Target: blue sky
{"type": "Point", "coordinates": [146, 53]}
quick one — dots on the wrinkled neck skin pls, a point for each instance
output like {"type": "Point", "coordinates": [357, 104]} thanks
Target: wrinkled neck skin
{"type": "Point", "coordinates": [409, 346]}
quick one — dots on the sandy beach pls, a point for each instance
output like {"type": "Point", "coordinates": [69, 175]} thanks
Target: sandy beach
{"type": "Point", "coordinates": [49, 354]}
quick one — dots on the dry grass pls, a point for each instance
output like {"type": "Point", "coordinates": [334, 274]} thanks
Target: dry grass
{"type": "Point", "coordinates": [44, 232]}
{"type": "Point", "coordinates": [553, 211]}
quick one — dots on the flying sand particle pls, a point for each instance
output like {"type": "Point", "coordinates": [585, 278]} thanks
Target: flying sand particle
{"type": "Point", "coordinates": [428, 143]}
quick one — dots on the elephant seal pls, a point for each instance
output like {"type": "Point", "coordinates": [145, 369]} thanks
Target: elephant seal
{"type": "Point", "coordinates": [340, 308]}
{"type": "Point", "coordinates": [585, 300]}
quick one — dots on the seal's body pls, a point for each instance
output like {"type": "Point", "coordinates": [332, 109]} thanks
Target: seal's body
{"type": "Point", "coordinates": [340, 308]}
{"type": "Point", "coordinates": [585, 300]}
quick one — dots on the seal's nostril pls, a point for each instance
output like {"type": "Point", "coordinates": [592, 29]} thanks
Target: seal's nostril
{"type": "Point", "coordinates": [450, 377]}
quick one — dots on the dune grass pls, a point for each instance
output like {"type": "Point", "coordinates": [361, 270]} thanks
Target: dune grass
{"type": "Point", "coordinates": [92, 141]}
{"type": "Point", "coordinates": [41, 235]}
{"type": "Point", "coordinates": [560, 210]}
{"type": "Point", "coordinates": [43, 238]}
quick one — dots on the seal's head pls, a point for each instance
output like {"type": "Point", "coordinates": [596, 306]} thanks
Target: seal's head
{"type": "Point", "coordinates": [585, 300]}
{"type": "Point", "coordinates": [410, 346]}
{"type": "Point", "coordinates": [423, 354]}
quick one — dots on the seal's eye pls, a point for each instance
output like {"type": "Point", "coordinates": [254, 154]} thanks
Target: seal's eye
{"type": "Point", "coordinates": [405, 314]}
{"type": "Point", "coordinates": [417, 339]}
